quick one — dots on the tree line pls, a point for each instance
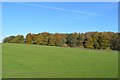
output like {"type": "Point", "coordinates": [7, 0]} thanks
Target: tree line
{"type": "Point", "coordinates": [90, 40]}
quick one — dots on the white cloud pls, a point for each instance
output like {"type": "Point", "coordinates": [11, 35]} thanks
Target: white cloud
{"type": "Point", "coordinates": [60, 0]}
{"type": "Point", "coordinates": [62, 9]}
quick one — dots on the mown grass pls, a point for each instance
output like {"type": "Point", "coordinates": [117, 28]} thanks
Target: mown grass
{"type": "Point", "coordinates": [34, 61]}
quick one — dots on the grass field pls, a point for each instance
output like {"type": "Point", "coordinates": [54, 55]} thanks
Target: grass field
{"type": "Point", "coordinates": [34, 61]}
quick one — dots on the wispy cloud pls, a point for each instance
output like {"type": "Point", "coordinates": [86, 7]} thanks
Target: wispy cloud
{"type": "Point", "coordinates": [60, 0]}
{"type": "Point", "coordinates": [66, 10]}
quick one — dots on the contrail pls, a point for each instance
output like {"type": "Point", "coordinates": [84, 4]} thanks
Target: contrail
{"type": "Point", "coordinates": [67, 10]}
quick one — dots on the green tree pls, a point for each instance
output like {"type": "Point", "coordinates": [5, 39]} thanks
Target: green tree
{"type": "Point", "coordinates": [45, 37]}
{"type": "Point", "coordinates": [18, 39]}
{"type": "Point", "coordinates": [39, 40]}
{"type": "Point", "coordinates": [72, 39]}
{"type": "Point", "coordinates": [104, 41]}
{"type": "Point", "coordinates": [95, 40]}
{"type": "Point", "coordinates": [80, 40]}
{"type": "Point", "coordinates": [88, 43]}
{"type": "Point", "coordinates": [58, 39]}
{"type": "Point", "coordinates": [92, 40]}
{"type": "Point", "coordinates": [8, 39]}
{"type": "Point", "coordinates": [51, 41]}
{"type": "Point", "coordinates": [115, 42]}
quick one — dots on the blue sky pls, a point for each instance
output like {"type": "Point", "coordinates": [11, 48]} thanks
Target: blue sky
{"type": "Point", "coordinates": [62, 17]}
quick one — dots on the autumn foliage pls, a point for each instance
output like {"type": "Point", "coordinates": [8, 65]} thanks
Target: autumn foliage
{"type": "Point", "coordinates": [90, 40]}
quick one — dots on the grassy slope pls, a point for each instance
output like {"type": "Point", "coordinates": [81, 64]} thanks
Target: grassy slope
{"type": "Point", "coordinates": [45, 61]}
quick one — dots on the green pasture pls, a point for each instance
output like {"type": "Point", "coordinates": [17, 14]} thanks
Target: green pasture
{"type": "Point", "coordinates": [35, 61]}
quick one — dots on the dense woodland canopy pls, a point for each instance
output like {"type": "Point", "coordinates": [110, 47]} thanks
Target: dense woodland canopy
{"type": "Point", "coordinates": [90, 40]}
